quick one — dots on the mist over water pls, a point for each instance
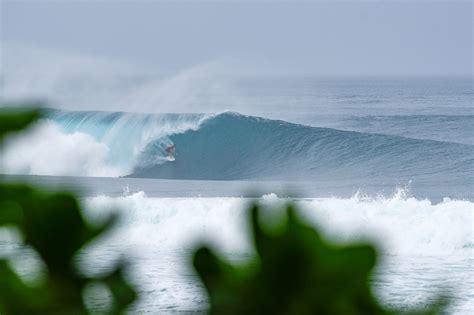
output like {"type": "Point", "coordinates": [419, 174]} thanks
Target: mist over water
{"type": "Point", "coordinates": [75, 81]}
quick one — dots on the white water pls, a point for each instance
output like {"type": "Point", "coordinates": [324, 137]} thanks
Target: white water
{"type": "Point", "coordinates": [402, 225]}
{"type": "Point", "coordinates": [421, 243]}
{"type": "Point", "coordinates": [45, 150]}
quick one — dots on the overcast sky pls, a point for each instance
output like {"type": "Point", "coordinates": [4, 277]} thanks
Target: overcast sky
{"type": "Point", "coordinates": [362, 38]}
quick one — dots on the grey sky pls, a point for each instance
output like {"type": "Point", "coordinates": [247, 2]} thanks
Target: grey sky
{"type": "Point", "coordinates": [366, 38]}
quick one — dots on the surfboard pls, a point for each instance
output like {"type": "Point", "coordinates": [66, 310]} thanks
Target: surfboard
{"type": "Point", "coordinates": [170, 158]}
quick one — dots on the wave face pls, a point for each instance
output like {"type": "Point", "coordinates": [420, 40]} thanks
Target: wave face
{"type": "Point", "coordinates": [232, 146]}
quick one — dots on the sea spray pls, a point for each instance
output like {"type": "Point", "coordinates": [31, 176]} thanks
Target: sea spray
{"type": "Point", "coordinates": [419, 240]}
{"type": "Point", "coordinates": [401, 224]}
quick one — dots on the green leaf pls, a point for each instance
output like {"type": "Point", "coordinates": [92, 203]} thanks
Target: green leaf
{"type": "Point", "coordinates": [11, 121]}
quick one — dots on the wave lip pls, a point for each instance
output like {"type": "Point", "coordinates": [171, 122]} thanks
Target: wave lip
{"type": "Point", "coordinates": [127, 134]}
{"type": "Point", "coordinates": [231, 146]}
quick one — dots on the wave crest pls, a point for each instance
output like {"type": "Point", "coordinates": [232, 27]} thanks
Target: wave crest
{"type": "Point", "coordinates": [232, 146]}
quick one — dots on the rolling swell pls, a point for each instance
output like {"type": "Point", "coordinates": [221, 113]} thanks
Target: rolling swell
{"type": "Point", "coordinates": [231, 146]}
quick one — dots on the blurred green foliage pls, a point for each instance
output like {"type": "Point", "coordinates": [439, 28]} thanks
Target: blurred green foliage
{"type": "Point", "coordinates": [52, 225]}
{"type": "Point", "coordinates": [11, 121]}
{"type": "Point", "coordinates": [296, 271]}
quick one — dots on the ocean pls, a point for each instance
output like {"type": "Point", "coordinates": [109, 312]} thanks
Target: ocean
{"type": "Point", "coordinates": [388, 160]}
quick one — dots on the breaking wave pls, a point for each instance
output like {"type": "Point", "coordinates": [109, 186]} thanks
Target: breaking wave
{"type": "Point", "coordinates": [419, 240]}
{"type": "Point", "coordinates": [402, 224]}
{"type": "Point", "coordinates": [231, 146]}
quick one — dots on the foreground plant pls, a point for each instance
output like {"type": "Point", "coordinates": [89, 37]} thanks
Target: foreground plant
{"type": "Point", "coordinates": [296, 271]}
{"type": "Point", "coordinates": [52, 225]}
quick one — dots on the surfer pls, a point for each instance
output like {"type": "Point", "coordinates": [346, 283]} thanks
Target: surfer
{"type": "Point", "coordinates": [170, 150]}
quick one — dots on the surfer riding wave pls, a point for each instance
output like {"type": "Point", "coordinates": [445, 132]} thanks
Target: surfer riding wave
{"type": "Point", "coordinates": [171, 150]}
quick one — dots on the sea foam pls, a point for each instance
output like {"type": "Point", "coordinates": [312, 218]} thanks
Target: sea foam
{"type": "Point", "coordinates": [45, 150]}
{"type": "Point", "coordinates": [419, 241]}
{"type": "Point", "coordinates": [399, 225]}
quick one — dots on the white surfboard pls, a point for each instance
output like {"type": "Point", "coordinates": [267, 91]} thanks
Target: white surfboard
{"type": "Point", "coordinates": [170, 158]}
